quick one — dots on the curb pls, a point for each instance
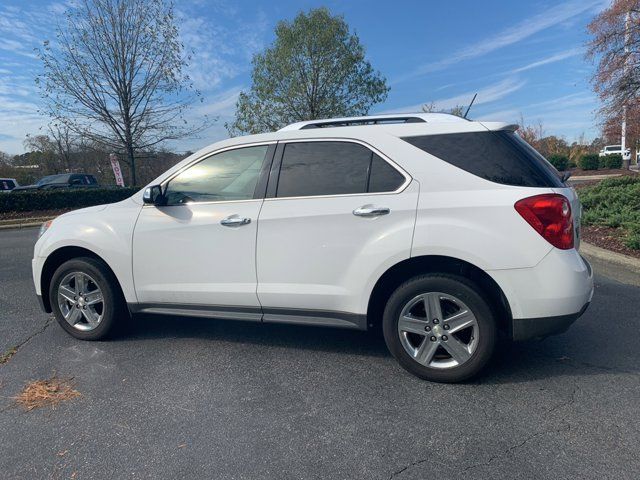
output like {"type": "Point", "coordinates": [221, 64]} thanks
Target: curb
{"type": "Point", "coordinates": [588, 178]}
{"type": "Point", "coordinates": [23, 223]}
{"type": "Point", "coordinates": [622, 268]}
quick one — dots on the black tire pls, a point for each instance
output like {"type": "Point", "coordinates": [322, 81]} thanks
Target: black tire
{"type": "Point", "coordinates": [460, 288]}
{"type": "Point", "coordinates": [113, 308]}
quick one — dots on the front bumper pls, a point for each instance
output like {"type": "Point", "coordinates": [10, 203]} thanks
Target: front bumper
{"type": "Point", "coordinates": [42, 305]}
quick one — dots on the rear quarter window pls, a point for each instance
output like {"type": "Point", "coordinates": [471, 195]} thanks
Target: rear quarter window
{"type": "Point", "coordinates": [500, 157]}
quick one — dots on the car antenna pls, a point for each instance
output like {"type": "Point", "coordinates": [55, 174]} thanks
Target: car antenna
{"type": "Point", "coordinates": [469, 107]}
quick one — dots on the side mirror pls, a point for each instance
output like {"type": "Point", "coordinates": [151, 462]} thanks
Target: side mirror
{"type": "Point", "coordinates": [154, 196]}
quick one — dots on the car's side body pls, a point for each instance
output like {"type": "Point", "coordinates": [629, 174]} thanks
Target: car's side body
{"type": "Point", "coordinates": [310, 260]}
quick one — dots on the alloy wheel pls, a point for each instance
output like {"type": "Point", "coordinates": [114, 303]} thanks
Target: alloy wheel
{"type": "Point", "coordinates": [81, 301]}
{"type": "Point", "coordinates": [438, 330]}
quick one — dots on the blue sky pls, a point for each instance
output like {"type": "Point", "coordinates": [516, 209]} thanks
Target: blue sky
{"type": "Point", "coordinates": [523, 58]}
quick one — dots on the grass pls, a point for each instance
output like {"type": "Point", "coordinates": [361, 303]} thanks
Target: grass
{"type": "Point", "coordinates": [614, 202]}
{"type": "Point", "coordinates": [6, 356]}
{"type": "Point", "coordinates": [42, 393]}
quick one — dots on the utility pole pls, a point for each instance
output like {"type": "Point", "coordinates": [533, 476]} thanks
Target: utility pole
{"type": "Point", "coordinates": [626, 160]}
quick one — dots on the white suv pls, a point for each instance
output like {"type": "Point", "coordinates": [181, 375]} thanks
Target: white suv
{"type": "Point", "coordinates": [439, 230]}
{"type": "Point", "coordinates": [615, 150]}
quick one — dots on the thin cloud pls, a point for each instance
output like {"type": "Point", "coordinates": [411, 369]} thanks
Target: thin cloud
{"type": "Point", "coordinates": [526, 28]}
{"type": "Point", "coordinates": [552, 59]}
{"type": "Point", "coordinates": [486, 95]}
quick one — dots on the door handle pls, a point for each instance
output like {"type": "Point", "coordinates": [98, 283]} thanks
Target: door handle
{"type": "Point", "coordinates": [371, 211]}
{"type": "Point", "coordinates": [235, 221]}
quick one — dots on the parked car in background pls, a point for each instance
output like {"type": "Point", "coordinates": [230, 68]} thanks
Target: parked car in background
{"type": "Point", "coordinates": [439, 230]}
{"type": "Point", "coordinates": [615, 150]}
{"type": "Point", "coordinates": [7, 184]}
{"type": "Point", "coordinates": [63, 180]}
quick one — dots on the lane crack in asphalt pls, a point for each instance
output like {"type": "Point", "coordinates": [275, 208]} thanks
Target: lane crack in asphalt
{"type": "Point", "coordinates": [13, 351]}
{"type": "Point", "coordinates": [512, 448]}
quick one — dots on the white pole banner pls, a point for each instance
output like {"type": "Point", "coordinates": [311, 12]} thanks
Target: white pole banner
{"type": "Point", "coordinates": [117, 172]}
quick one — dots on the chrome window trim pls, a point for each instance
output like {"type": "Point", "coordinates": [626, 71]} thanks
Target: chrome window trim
{"type": "Point", "coordinates": [205, 203]}
{"type": "Point", "coordinates": [394, 165]}
{"type": "Point", "coordinates": [164, 183]}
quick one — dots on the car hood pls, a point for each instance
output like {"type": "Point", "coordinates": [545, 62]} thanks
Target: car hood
{"type": "Point", "coordinates": [94, 209]}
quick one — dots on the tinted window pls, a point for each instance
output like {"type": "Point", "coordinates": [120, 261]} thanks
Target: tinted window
{"type": "Point", "coordinates": [230, 175]}
{"type": "Point", "coordinates": [334, 168]}
{"type": "Point", "coordinates": [383, 177]}
{"type": "Point", "coordinates": [7, 185]}
{"type": "Point", "coordinates": [323, 168]}
{"type": "Point", "coordinates": [501, 157]}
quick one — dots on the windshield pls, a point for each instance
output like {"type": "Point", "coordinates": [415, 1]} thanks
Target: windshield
{"type": "Point", "coordinates": [52, 179]}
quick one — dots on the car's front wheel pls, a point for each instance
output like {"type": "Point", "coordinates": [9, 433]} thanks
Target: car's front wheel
{"type": "Point", "coordinates": [85, 298]}
{"type": "Point", "coordinates": [439, 327]}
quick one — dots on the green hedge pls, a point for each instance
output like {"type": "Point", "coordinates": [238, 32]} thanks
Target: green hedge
{"type": "Point", "coordinates": [613, 161]}
{"type": "Point", "coordinates": [561, 162]}
{"type": "Point", "coordinates": [590, 161]}
{"type": "Point", "coordinates": [614, 202]}
{"type": "Point", "coordinates": [34, 200]}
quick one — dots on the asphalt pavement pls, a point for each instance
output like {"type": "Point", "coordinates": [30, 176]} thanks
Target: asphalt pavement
{"type": "Point", "coordinates": [196, 398]}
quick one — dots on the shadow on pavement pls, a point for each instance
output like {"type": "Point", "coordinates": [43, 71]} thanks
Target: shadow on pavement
{"type": "Point", "coordinates": [148, 327]}
{"type": "Point", "coordinates": [580, 351]}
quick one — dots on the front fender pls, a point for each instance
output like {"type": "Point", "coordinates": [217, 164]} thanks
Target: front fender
{"type": "Point", "coordinates": [107, 231]}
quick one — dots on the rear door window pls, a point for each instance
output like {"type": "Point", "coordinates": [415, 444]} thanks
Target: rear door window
{"type": "Point", "coordinates": [500, 157]}
{"type": "Point", "coordinates": [334, 168]}
{"type": "Point", "coordinates": [383, 177]}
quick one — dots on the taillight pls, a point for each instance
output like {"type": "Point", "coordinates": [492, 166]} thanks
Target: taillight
{"type": "Point", "coordinates": [550, 216]}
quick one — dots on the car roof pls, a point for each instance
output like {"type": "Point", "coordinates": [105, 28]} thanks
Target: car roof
{"type": "Point", "coordinates": [385, 119]}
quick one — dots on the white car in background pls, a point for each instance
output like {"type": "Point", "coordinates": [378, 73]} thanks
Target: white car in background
{"type": "Point", "coordinates": [615, 150]}
{"type": "Point", "coordinates": [7, 184]}
{"type": "Point", "coordinates": [439, 230]}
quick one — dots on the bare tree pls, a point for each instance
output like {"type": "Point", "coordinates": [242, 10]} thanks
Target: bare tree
{"type": "Point", "coordinates": [42, 152]}
{"type": "Point", "coordinates": [64, 141]}
{"type": "Point", "coordinates": [431, 107]}
{"type": "Point", "coordinates": [116, 74]}
{"type": "Point", "coordinates": [615, 45]}
{"type": "Point", "coordinates": [532, 134]}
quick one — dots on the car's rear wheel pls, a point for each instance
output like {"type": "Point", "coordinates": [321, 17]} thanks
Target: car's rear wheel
{"type": "Point", "coordinates": [86, 299]}
{"type": "Point", "coordinates": [440, 328]}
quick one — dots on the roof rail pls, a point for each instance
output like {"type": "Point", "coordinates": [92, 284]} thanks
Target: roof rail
{"type": "Point", "coordinates": [375, 120]}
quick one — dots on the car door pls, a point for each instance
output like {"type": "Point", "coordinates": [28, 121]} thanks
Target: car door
{"type": "Point", "coordinates": [197, 253]}
{"type": "Point", "coordinates": [336, 217]}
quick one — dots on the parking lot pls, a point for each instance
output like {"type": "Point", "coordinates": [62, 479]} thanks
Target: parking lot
{"type": "Point", "coordinates": [179, 398]}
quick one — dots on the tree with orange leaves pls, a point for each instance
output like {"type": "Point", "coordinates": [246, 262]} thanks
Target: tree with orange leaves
{"type": "Point", "coordinates": [615, 45]}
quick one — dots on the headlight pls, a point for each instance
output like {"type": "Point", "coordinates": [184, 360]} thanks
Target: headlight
{"type": "Point", "coordinates": [45, 226]}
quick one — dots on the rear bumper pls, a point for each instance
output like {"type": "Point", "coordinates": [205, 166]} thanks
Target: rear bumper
{"type": "Point", "coordinates": [528, 328]}
{"type": "Point", "coordinates": [548, 298]}
{"type": "Point", "coordinates": [560, 285]}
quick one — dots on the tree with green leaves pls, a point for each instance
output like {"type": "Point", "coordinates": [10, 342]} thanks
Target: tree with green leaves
{"type": "Point", "coordinates": [115, 74]}
{"type": "Point", "coordinates": [316, 68]}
